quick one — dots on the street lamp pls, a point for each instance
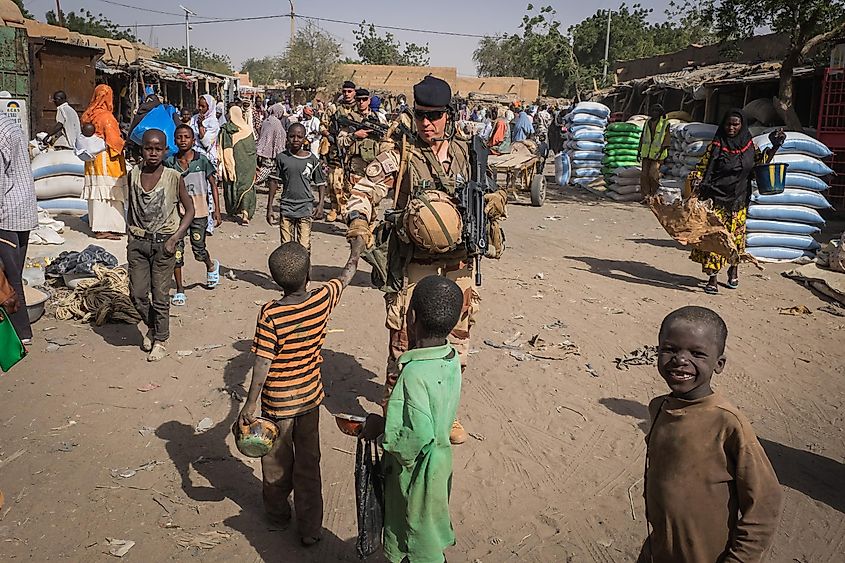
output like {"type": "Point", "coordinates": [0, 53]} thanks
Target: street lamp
{"type": "Point", "coordinates": [188, 13]}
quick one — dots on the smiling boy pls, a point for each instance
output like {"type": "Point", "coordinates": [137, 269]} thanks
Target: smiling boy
{"type": "Point", "coordinates": [711, 494]}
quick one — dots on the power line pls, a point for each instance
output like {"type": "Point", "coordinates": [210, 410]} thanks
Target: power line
{"type": "Point", "coordinates": [313, 18]}
{"type": "Point", "coordinates": [149, 10]}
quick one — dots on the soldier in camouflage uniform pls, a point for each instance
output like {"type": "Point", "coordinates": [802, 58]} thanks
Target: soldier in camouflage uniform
{"type": "Point", "coordinates": [346, 106]}
{"type": "Point", "coordinates": [433, 158]}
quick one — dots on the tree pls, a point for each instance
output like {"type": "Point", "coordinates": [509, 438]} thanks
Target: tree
{"type": "Point", "coordinates": [88, 24]}
{"type": "Point", "coordinates": [565, 64]}
{"type": "Point", "coordinates": [631, 37]}
{"type": "Point", "coordinates": [539, 51]}
{"type": "Point", "coordinates": [374, 49]}
{"type": "Point", "coordinates": [264, 71]}
{"type": "Point", "coordinates": [202, 59]}
{"type": "Point", "coordinates": [311, 60]}
{"type": "Point", "coordinates": [808, 24]}
{"type": "Point", "coordinates": [24, 12]}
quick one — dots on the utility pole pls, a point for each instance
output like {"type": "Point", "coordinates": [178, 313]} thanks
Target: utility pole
{"type": "Point", "coordinates": [59, 13]}
{"type": "Point", "coordinates": [606, 47]}
{"type": "Point", "coordinates": [188, 13]}
{"type": "Point", "coordinates": [292, 24]}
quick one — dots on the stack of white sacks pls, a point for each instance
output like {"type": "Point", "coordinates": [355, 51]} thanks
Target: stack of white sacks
{"type": "Point", "coordinates": [584, 144]}
{"type": "Point", "coordinates": [688, 145]}
{"type": "Point", "coordinates": [780, 227]}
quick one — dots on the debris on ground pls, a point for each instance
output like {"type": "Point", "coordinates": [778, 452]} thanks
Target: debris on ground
{"type": "Point", "coordinates": [65, 446]}
{"type": "Point", "coordinates": [148, 387]}
{"type": "Point", "coordinates": [795, 311]}
{"type": "Point", "coordinates": [591, 370]}
{"type": "Point", "coordinates": [203, 540]}
{"type": "Point", "coordinates": [126, 473]}
{"type": "Point", "coordinates": [64, 426]}
{"type": "Point", "coordinates": [184, 353]}
{"type": "Point", "coordinates": [479, 437]}
{"type": "Point", "coordinates": [207, 347]}
{"type": "Point", "coordinates": [119, 548]}
{"type": "Point", "coordinates": [642, 356]}
{"type": "Point", "coordinates": [203, 425]}
{"type": "Point", "coordinates": [146, 430]}
{"type": "Point", "coordinates": [557, 323]}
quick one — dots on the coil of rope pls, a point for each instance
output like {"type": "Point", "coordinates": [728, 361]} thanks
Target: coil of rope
{"type": "Point", "coordinates": [102, 299]}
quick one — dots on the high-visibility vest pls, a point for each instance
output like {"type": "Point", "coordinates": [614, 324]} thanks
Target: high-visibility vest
{"type": "Point", "coordinates": [652, 147]}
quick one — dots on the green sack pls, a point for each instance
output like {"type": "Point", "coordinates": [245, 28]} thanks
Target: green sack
{"type": "Point", "coordinates": [11, 348]}
{"type": "Point", "coordinates": [625, 127]}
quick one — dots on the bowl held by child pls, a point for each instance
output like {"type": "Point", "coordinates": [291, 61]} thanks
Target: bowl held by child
{"type": "Point", "coordinates": [256, 439]}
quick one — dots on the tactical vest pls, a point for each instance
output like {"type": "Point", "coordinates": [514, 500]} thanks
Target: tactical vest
{"type": "Point", "coordinates": [652, 145]}
{"type": "Point", "coordinates": [333, 156]}
{"type": "Point", "coordinates": [424, 166]}
{"type": "Point", "coordinates": [365, 149]}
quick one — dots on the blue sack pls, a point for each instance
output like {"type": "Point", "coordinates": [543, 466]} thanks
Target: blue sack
{"type": "Point", "coordinates": [778, 253]}
{"type": "Point", "coordinates": [804, 163]}
{"type": "Point", "coordinates": [801, 242]}
{"type": "Point", "coordinates": [594, 108]}
{"type": "Point", "coordinates": [791, 213]}
{"type": "Point", "coordinates": [785, 227]}
{"type": "Point", "coordinates": [563, 169]}
{"type": "Point", "coordinates": [794, 197]}
{"type": "Point", "coordinates": [587, 155]}
{"type": "Point", "coordinates": [796, 143]}
{"type": "Point", "coordinates": [161, 118]}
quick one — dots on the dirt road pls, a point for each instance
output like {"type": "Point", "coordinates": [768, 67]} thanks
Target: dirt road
{"type": "Point", "coordinates": [552, 471]}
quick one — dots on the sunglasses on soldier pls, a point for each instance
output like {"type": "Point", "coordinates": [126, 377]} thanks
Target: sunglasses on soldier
{"type": "Point", "coordinates": [431, 115]}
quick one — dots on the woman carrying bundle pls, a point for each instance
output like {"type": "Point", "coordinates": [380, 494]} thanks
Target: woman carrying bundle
{"type": "Point", "coordinates": [724, 177]}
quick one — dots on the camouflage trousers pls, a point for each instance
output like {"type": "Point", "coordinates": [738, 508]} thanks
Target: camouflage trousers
{"type": "Point", "coordinates": [338, 191]}
{"type": "Point", "coordinates": [397, 305]}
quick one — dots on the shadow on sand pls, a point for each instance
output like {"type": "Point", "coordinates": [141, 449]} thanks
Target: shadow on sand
{"type": "Point", "coordinates": [816, 476]}
{"type": "Point", "coordinates": [230, 478]}
{"type": "Point", "coordinates": [637, 272]}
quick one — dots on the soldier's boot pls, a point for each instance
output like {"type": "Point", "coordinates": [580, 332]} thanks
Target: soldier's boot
{"type": "Point", "coordinates": [458, 435]}
{"type": "Point", "coordinates": [331, 216]}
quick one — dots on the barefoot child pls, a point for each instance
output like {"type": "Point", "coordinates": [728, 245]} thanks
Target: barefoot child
{"type": "Point", "coordinates": [155, 193]}
{"type": "Point", "coordinates": [417, 458]}
{"type": "Point", "coordinates": [199, 176]}
{"type": "Point", "coordinates": [287, 346]}
{"type": "Point", "coordinates": [299, 171]}
{"type": "Point", "coordinates": [711, 494]}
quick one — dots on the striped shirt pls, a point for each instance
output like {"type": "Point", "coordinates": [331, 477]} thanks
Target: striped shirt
{"type": "Point", "coordinates": [291, 337]}
{"type": "Point", "coordinates": [18, 207]}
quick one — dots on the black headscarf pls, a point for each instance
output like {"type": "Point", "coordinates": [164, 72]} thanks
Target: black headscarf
{"type": "Point", "coordinates": [727, 180]}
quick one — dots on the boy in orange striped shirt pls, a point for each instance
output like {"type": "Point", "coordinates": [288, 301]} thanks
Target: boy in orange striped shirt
{"type": "Point", "coordinates": [288, 342]}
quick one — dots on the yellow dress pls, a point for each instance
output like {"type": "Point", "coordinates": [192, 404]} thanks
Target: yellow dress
{"type": "Point", "coordinates": [106, 189]}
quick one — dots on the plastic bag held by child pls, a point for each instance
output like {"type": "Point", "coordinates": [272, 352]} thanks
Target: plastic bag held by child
{"type": "Point", "coordinates": [369, 498]}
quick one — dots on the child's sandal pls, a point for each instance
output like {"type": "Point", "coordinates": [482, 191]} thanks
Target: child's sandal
{"type": "Point", "coordinates": [213, 277]}
{"type": "Point", "coordinates": [178, 299]}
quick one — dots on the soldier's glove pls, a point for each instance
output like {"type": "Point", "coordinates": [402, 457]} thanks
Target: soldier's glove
{"type": "Point", "coordinates": [360, 228]}
{"type": "Point", "coordinates": [496, 204]}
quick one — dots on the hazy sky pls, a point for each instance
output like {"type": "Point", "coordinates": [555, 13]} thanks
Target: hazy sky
{"type": "Point", "coordinates": [243, 40]}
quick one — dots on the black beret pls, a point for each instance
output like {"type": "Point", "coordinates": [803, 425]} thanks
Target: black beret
{"type": "Point", "coordinates": [362, 93]}
{"type": "Point", "coordinates": [432, 92]}
{"type": "Point", "coordinates": [348, 84]}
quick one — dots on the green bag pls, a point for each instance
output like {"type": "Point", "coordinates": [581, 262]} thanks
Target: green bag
{"type": "Point", "coordinates": [11, 348]}
{"type": "Point", "coordinates": [625, 127]}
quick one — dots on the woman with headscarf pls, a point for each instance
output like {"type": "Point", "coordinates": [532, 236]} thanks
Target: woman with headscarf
{"type": "Point", "coordinates": [206, 128]}
{"type": "Point", "coordinates": [724, 177]}
{"type": "Point", "coordinates": [105, 185]}
{"type": "Point", "coordinates": [271, 142]}
{"type": "Point", "coordinates": [238, 158]}
{"type": "Point", "coordinates": [220, 112]}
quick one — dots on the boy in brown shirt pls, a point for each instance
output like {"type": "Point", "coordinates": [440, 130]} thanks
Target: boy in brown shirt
{"type": "Point", "coordinates": [711, 494]}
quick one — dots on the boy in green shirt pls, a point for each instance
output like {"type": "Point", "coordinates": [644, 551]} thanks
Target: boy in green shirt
{"type": "Point", "coordinates": [417, 459]}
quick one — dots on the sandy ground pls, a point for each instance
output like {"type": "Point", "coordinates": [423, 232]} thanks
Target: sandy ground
{"type": "Point", "coordinates": [552, 471]}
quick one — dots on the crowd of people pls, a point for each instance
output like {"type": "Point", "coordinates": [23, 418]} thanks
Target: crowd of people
{"type": "Point", "coordinates": [349, 148]}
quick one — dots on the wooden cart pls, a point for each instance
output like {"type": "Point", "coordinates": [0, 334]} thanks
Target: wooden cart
{"type": "Point", "coordinates": [520, 171]}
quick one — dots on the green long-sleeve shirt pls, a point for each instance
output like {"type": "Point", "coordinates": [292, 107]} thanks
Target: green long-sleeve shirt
{"type": "Point", "coordinates": [418, 456]}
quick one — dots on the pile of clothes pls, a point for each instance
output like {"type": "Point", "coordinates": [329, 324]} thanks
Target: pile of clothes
{"type": "Point", "coordinates": [621, 161]}
{"type": "Point", "coordinates": [781, 226]}
{"type": "Point", "coordinates": [584, 144]}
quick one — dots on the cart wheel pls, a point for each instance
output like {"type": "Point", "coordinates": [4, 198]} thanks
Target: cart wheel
{"type": "Point", "coordinates": [538, 190]}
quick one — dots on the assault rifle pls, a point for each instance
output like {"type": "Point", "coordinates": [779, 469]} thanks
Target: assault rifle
{"type": "Point", "coordinates": [376, 129]}
{"type": "Point", "coordinates": [471, 204]}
